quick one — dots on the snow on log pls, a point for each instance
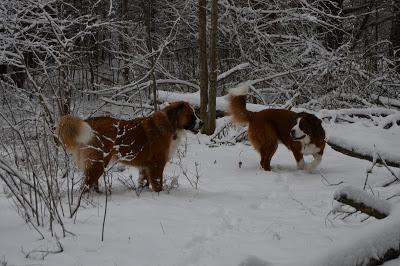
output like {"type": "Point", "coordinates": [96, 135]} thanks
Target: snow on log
{"type": "Point", "coordinates": [377, 133]}
{"type": "Point", "coordinates": [372, 244]}
{"type": "Point", "coordinates": [363, 202]}
{"type": "Point", "coordinates": [365, 153]}
{"type": "Point", "coordinates": [194, 99]}
{"type": "Point", "coordinates": [360, 112]}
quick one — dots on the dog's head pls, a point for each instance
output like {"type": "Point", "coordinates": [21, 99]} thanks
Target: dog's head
{"type": "Point", "coordinates": [182, 116]}
{"type": "Point", "coordinates": [305, 127]}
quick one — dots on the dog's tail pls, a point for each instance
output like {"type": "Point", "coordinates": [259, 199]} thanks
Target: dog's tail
{"type": "Point", "coordinates": [73, 132]}
{"type": "Point", "coordinates": [237, 103]}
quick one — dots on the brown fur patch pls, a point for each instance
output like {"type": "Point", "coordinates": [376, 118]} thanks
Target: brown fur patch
{"type": "Point", "coordinates": [141, 142]}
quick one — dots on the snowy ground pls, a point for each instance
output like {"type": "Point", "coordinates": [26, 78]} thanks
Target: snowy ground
{"type": "Point", "coordinates": [238, 216]}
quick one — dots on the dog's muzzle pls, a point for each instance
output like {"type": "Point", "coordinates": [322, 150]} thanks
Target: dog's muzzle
{"type": "Point", "coordinates": [197, 126]}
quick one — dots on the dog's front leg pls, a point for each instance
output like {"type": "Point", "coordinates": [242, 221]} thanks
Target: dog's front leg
{"type": "Point", "coordinates": [143, 179]}
{"type": "Point", "coordinates": [301, 164]}
{"type": "Point", "coordinates": [156, 177]}
{"type": "Point", "coordinates": [317, 160]}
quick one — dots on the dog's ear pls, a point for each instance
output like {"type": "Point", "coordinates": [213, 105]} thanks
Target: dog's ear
{"type": "Point", "coordinates": [310, 117]}
{"type": "Point", "coordinates": [315, 120]}
{"type": "Point", "coordinates": [173, 110]}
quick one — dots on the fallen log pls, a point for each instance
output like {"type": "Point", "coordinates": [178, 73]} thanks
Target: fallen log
{"type": "Point", "coordinates": [370, 245]}
{"type": "Point", "coordinates": [363, 202]}
{"type": "Point", "coordinates": [357, 154]}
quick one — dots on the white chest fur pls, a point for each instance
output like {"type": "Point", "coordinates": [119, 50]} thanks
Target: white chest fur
{"type": "Point", "coordinates": [175, 143]}
{"type": "Point", "coordinates": [308, 149]}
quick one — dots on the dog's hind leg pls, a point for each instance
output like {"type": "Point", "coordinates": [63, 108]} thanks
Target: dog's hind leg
{"type": "Point", "coordinates": [265, 141]}
{"type": "Point", "coordinates": [94, 169]}
{"type": "Point", "coordinates": [267, 151]}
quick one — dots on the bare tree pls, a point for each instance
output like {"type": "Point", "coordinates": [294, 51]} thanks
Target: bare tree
{"type": "Point", "coordinates": [212, 92]}
{"type": "Point", "coordinates": [203, 66]}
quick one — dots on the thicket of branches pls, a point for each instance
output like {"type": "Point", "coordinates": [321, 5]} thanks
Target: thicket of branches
{"type": "Point", "coordinates": [326, 53]}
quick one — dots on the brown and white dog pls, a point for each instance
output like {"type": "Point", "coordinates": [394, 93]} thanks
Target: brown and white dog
{"type": "Point", "coordinates": [301, 133]}
{"type": "Point", "coordinates": [146, 143]}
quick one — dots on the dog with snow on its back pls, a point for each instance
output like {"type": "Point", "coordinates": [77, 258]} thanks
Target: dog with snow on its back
{"type": "Point", "coordinates": [302, 133]}
{"type": "Point", "coordinates": [146, 142]}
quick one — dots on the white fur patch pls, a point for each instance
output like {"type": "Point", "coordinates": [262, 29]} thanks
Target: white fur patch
{"type": "Point", "coordinates": [311, 166]}
{"type": "Point", "coordinates": [163, 105]}
{"type": "Point", "coordinates": [142, 178]}
{"type": "Point", "coordinates": [308, 149]}
{"type": "Point", "coordinates": [298, 133]}
{"type": "Point", "coordinates": [305, 141]}
{"type": "Point", "coordinates": [198, 120]}
{"type": "Point", "coordinates": [175, 143]}
{"type": "Point", "coordinates": [85, 133]}
{"type": "Point", "coordinates": [240, 89]}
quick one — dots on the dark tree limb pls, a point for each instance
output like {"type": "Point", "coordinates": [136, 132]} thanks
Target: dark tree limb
{"type": "Point", "coordinates": [390, 254]}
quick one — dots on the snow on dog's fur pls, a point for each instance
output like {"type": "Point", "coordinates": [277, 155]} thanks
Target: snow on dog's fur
{"type": "Point", "coordinates": [301, 133]}
{"type": "Point", "coordinates": [146, 143]}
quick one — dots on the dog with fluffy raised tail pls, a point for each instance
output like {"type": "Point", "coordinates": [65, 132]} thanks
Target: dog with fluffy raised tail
{"type": "Point", "coordinates": [302, 133]}
{"type": "Point", "coordinates": [146, 143]}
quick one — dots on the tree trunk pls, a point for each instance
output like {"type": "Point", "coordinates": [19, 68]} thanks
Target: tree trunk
{"type": "Point", "coordinates": [149, 20]}
{"type": "Point", "coordinates": [212, 93]}
{"type": "Point", "coordinates": [203, 68]}
{"type": "Point", "coordinates": [65, 90]}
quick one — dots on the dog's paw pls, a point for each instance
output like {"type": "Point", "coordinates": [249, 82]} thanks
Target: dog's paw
{"type": "Point", "coordinates": [309, 168]}
{"type": "Point", "coordinates": [301, 164]}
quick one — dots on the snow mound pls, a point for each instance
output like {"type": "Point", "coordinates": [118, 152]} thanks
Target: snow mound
{"type": "Point", "coordinates": [369, 242]}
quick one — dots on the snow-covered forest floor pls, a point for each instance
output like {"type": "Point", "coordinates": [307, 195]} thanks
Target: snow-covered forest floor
{"type": "Point", "coordinates": [237, 216]}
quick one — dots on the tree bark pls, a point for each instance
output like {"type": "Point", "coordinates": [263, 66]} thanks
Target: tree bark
{"type": "Point", "coordinates": [149, 19]}
{"type": "Point", "coordinates": [65, 89]}
{"type": "Point", "coordinates": [203, 68]}
{"type": "Point", "coordinates": [212, 93]}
